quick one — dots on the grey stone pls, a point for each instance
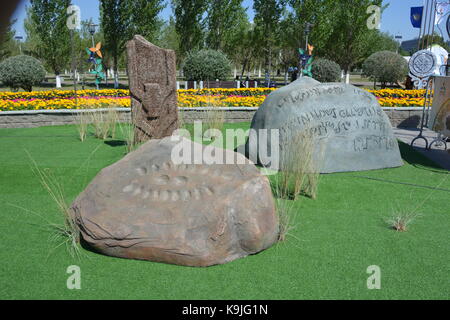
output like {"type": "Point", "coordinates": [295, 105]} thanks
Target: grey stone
{"type": "Point", "coordinates": [152, 74]}
{"type": "Point", "coordinates": [348, 123]}
{"type": "Point", "coordinates": [147, 207]}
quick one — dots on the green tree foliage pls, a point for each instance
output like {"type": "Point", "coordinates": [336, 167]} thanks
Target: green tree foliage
{"type": "Point", "coordinates": [116, 26]}
{"type": "Point", "coordinates": [7, 43]}
{"type": "Point", "coordinates": [49, 36]}
{"type": "Point", "coordinates": [206, 65]}
{"type": "Point", "coordinates": [303, 12]}
{"type": "Point", "coordinates": [189, 23]}
{"type": "Point", "coordinates": [21, 72]}
{"type": "Point", "coordinates": [120, 20]}
{"type": "Point", "coordinates": [429, 40]}
{"type": "Point", "coordinates": [169, 38]}
{"type": "Point", "coordinates": [144, 18]}
{"type": "Point", "coordinates": [344, 38]}
{"type": "Point", "coordinates": [225, 19]}
{"type": "Point", "coordinates": [246, 51]}
{"type": "Point", "coordinates": [385, 67]}
{"type": "Point", "coordinates": [268, 14]}
{"type": "Point", "coordinates": [325, 70]}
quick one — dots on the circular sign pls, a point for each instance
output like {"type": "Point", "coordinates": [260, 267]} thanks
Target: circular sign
{"type": "Point", "coordinates": [448, 25]}
{"type": "Point", "coordinates": [422, 64]}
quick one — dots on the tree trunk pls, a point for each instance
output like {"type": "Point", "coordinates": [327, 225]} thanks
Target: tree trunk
{"type": "Point", "coordinates": [243, 68]}
{"type": "Point", "coordinates": [116, 76]}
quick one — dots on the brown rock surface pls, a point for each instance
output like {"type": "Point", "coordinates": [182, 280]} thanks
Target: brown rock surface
{"type": "Point", "coordinates": [152, 74]}
{"type": "Point", "coordinates": [146, 207]}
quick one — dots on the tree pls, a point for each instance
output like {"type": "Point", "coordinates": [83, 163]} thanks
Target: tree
{"type": "Point", "coordinates": [169, 38]}
{"type": "Point", "coordinates": [245, 50]}
{"type": "Point", "coordinates": [46, 27]}
{"type": "Point", "coordinates": [144, 18]}
{"type": "Point", "coordinates": [117, 28]}
{"type": "Point", "coordinates": [7, 42]}
{"type": "Point", "coordinates": [267, 17]}
{"type": "Point", "coordinates": [344, 36]}
{"type": "Point", "coordinates": [376, 41]}
{"type": "Point", "coordinates": [224, 21]}
{"type": "Point", "coordinates": [189, 23]}
{"type": "Point", "coordinates": [303, 12]}
{"type": "Point", "coordinates": [21, 72]}
{"type": "Point", "coordinates": [429, 40]}
{"type": "Point", "coordinates": [207, 65]}
{"type": "Point", "coordinates": [385, 66]}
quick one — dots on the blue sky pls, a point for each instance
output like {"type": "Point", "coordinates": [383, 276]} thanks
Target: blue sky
{"type": "Point", "coordinates": [395, 19]}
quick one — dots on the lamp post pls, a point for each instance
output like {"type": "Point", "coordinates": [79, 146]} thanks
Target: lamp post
{"type": "Point", "coordinates": [92, 28]}
{"type": "Point", "coordinates": [399, 38]}
{"type": "Point", "coordinates": [303, 60]}
{"type": "Point", "coordinates": [307, 32]}
{"type": "Point", "coordinates": [19, 39]}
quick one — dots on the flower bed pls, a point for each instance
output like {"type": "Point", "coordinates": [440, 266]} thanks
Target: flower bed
{"type": "Point", "coordinates": [51, 94]}
{"type": "Point", "coordinates": [252, 97]}
{"type": "Point", "coordinates": [59, 103]}
{"type": "Point", "coordinates": [242, 92]}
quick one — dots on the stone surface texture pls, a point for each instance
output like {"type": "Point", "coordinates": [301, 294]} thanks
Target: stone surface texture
{"type": "Point", "coordinates": [147, 207]}
{"type": "Point", "coordinates": [347, 122]}
{"type": "Point", "coordinates": [152, 76]}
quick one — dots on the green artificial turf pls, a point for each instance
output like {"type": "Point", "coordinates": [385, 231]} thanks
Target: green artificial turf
{"type": "Point", "coordinates": [335, 239]}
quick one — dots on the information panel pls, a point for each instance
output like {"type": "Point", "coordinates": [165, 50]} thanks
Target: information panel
{"type": "Point", "coordinates": [439, 119]}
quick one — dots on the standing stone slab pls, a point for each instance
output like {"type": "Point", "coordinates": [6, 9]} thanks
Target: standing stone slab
{"type": "Point", "coordinates": [152, 74]}
{"type": "Point", "coordinates": [348, 123]}
{"type": "Point", "coordinates": [147, 207]}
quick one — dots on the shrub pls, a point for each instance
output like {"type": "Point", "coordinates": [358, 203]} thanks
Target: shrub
{"type": "Point", "coordinates": [21, 72]}
{"type": "Point", "coordinates": [325, 70]}
{"type": "Point", "coordinates": [206, 65]}
{"type": "Point", "coordinates": [385, 67]}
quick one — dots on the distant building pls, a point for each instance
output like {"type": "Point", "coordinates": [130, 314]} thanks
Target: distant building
{"type": "Point", "coordinates": [410, 45]}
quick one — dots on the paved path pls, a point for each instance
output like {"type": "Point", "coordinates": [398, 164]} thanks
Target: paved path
{"type": "Point", "coordinates": [436, 154]}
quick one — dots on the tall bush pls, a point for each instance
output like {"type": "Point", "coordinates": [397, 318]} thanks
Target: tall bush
{"type": "Point", "coordinates": [207, 65]}
{"type": "Point", "coordinates": [22, 72]}
{"type": "Point", "coordinates": [325, 70]}
{"type": "Point", "coordinates": [385, 67]}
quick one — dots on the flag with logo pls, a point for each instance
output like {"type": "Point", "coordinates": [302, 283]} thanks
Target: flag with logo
{"type": "Point", "coordinates": [416, 16]}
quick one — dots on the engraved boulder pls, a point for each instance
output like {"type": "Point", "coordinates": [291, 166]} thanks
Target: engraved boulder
{"type": "Point", "coordinates": [148, 207]}
{"type": "Point", "coordinates": [350, 129]}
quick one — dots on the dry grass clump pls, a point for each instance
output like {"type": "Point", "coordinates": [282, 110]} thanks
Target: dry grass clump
{"type": "Point", "coordinates": [104, 123]}
{"type": "Point", "coordinates": [300, 167]}
{"type": "Point", "coordinates": [127, 132]}
{"type": "Point", "coordinates": [214, 118]}
{"type": "Point", "coordinates": [299, 175]}
{"type": "Point", "coordinates": [82, 121]}
{"type": "Point", "coordinates": [400, 221]}
{"type": "Point", "coordinates": [66, 233]}
{"type": "Point", "coordinates": [214, 115]}
{"type": "Point", "coordinates": [402, 218]}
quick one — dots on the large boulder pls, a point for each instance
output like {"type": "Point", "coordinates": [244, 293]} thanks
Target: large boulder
{"type": "Point", "coordinates": [147, 206]}
{"type": "Point", "coordinates": [350, 130]}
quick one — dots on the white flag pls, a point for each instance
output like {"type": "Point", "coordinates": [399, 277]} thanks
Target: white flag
{"type": "Point", "coordinates": [442, 8]}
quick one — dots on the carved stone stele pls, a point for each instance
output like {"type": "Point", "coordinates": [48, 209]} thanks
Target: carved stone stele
{"type": "Point", "coordinates": [152, 74]}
